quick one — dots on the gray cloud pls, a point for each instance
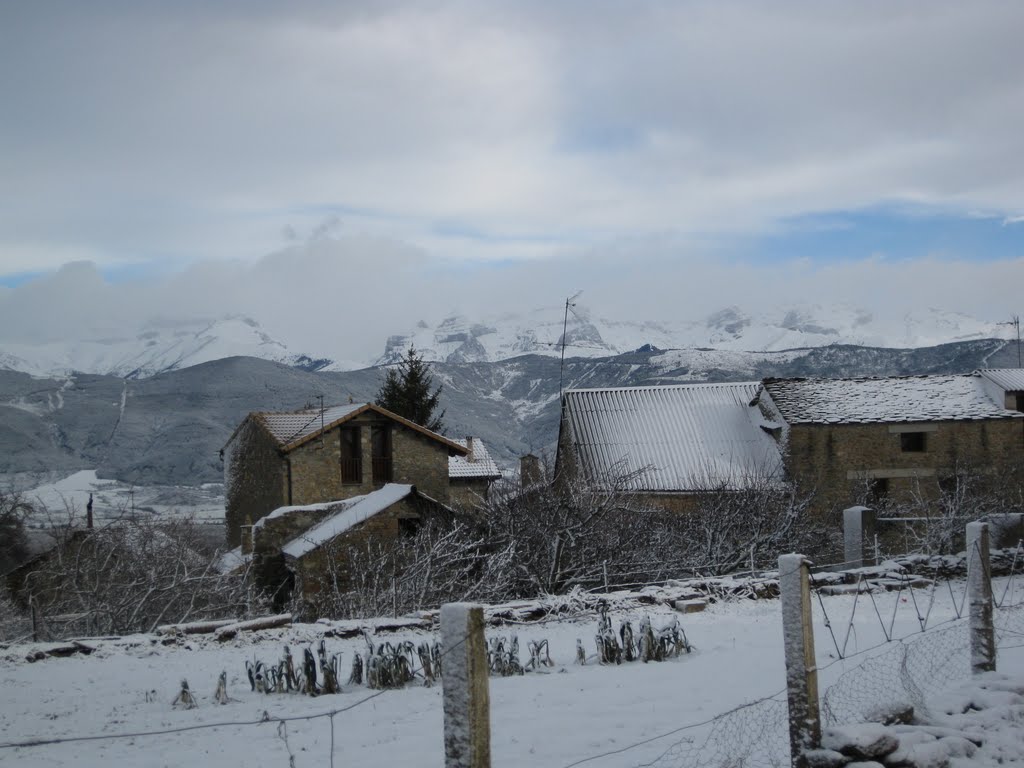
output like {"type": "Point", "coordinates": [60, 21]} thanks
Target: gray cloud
{"type": "Point", "coordinates": [138, 132]}
{"type": "Point", "coordinates": [343, 296]}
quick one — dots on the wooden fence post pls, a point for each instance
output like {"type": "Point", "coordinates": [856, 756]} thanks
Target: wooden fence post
{"type": "Point", "coordinates": [801, 669]}
{"type": "Point", "coordinates": [464, 675]}
{"type": "Point", "coordinates": [979, 597]}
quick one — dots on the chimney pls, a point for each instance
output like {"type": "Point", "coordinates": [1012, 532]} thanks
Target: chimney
{"type": "Point", "coordinates": [469, 448]}
{"type": "Point", "coordinates": [529, 470]}
{"type": "Point", "coordinates": [88, 513]}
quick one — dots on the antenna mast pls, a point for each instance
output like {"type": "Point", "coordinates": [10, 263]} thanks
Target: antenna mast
{"type": "Point", "coordinates": [569, 303]}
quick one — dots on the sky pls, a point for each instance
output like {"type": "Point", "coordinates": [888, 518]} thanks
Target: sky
{"type": "Point", "coordinates": [363, 165]}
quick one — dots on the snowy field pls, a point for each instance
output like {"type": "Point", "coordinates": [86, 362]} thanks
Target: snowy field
{"type": "Point", "coordinates": [113, 500]}
{"type": "Point", "coordinates": [551, 719]}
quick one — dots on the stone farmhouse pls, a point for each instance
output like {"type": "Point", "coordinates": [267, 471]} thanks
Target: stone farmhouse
{"type": "Point", "coordinates": [849, 440]}
{"type": "Point", "coordinates": [354, 469]}
{"type": "Point", "coordinates": [669, 443]}
{"type": "Point", "coordinates": [873, 440]}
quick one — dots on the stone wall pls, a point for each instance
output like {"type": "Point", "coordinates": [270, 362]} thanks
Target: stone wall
{"type": "Point", "coordinates": [468, 494]}
{"type": "Point", "coordinates": [383, 528]}
{"type": "Point", "coordinates": [840, 461]}
{"type": "Point", "coordinates": [416, 460]}
{"type": "Point", "coordinates": [255, 479]}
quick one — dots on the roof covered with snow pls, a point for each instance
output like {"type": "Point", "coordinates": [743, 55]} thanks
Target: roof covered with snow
{"type": "Point", "coordinates": [1009, 379]}
{"type": "Point", "coordinates": [897, 399]}
{"type": "Point", "coordinates": [351, 512]}
{"type": "Point", "coordinates": [291, 429]}
{"type": "Point", "coordinates": [232, 560]}
{"type": "Point", "coordinates": [480, 466]}
{"type": "Point", "coordinates": [685, 437]}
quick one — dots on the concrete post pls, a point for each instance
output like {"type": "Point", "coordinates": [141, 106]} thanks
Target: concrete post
{"type": "Point", "coordinates": [859, 525]}
{"type": "Point", "coordinates": [464, 675]}
{"type": "Point", "coordinates": [979, 597]}
{"type": "Point", "coordinates": [801, 669]}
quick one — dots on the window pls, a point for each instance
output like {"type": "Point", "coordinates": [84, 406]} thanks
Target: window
{"type": "Point", "coordinates": [380, 447]}
{"type": "Point", "coordinates": [351, 456]}
{"type": "Point", "coordinates": [408, 527]}
{"type": "Point", "coordinates": [912, 442]}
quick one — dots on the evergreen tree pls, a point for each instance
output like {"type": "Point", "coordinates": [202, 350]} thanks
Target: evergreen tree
{"type": "Point", "coordinates": [407, 391]}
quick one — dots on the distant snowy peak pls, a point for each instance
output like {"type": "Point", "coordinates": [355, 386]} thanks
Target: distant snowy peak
{"type": "Point", "coordinates": [160, 347]}
{"type": "Point", "coordinates": [458, 338]}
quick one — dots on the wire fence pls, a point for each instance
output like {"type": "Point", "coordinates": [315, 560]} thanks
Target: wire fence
{"type": "Point", "coordinates": [924, 647]}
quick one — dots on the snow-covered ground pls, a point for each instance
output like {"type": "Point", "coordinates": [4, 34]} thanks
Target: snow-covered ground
{"type": "Point", "coordinates": [554, 718]}
{"type": "Point", "coordinates": [113, 500]}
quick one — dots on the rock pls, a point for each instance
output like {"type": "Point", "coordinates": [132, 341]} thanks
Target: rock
{"type": "Point", "coordinates": [862, 742]}
{"type": "Point", "coordinates": [825, 758]}
{"type": "Point", "coordinates": [690, 606]}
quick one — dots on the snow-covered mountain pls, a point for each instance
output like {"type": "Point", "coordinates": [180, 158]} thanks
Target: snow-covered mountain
{"type": "Point", "coordinates": [458, 338]}
{"type": "Point", "coordinates": [731, 331]}
{"type": "Point", "coordinates": [158, 348]}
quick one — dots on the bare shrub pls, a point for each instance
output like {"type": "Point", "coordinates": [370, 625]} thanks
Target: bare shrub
{"type": "Point", "coordinates": [933, 518]}
{"type": "Point", "coordinates": [130, 576]}
{"type": "Point", "coordinates": [735, 523]}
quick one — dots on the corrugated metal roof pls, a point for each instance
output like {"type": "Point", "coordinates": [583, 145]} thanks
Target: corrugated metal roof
{"type": "Point", "coordinates": [1010, 379]}
{"type": "Point", "coordinates": [482, 466]}
{"type": "Point", "coordinates": [291, 427]}
{"type": "Point", "coordinates": [685, 437]}
{"type": "Point", "coordinates": [897, 399]}
{"type": "Point", "coordinates": [351, 512]}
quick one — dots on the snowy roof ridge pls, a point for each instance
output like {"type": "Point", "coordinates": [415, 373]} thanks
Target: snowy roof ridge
{"type": "Point", "coordinates": [870, 399]}
{"type": "Point", "coordinates": [679, 437]}
{"type": "Point", "coordinates": [290, 429]}
{"type": "Point", "coordinates": [356, 510]}
{"type": "Point", "coordinates": [482, 465]}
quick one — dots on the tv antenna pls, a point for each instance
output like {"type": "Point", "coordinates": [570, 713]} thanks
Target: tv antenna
{"type": "Point", "coordinates": [1015, 322]}
{"type": "Point", "coordinates": [569, 304]}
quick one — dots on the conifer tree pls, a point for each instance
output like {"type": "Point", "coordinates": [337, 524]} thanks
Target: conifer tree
{"type": "Point", "coordinates": [407, 391]}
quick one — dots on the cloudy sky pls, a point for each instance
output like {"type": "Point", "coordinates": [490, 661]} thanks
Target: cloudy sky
{"type": "Point", "coordinates": [363, 165]}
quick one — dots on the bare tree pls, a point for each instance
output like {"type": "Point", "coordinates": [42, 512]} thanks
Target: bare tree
{"type": "Point", "coordinates": [754, 517]}
{"type": "Point", "coordinates": [13, 542]}
{"type": "Point", "coordinates": [933, 519]}
{"type": "Point", "coordinates": [131, 576]}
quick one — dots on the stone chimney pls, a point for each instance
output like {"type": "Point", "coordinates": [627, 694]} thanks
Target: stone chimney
{"type": "Point", "coordinates": [529, 470]}
{"type": "Point", "coordinates": [469, 448]}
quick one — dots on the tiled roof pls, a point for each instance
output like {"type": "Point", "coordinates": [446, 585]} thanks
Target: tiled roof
{"type": "Point", "coordinates": [350, 513]}
{"type": "Point", "coordinates": [1009, 379]}
{"type": "Point", "coordinates": [482, 466]}
{"type": "Point", "coordinates": [897, 399]}
{"type": "Point", "coordinates": [291, 427]}
{"type": "Point", "coordinates": [685, 437]}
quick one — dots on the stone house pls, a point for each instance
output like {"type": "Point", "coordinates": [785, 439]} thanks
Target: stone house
{"type": "Point", "coordinates": [848, 441]}
{"type": "Point", "coordinates": [669, 443]}
{"type": "Point", "coordinates": [295, 548]}
{"type": "Point", "coordinates": [314, 456]}
{"type": "Point", "coordinates": [879, 440]}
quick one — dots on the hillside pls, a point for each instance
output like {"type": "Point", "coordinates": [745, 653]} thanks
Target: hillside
{"type": "Point", "coordinates": [169, 428]}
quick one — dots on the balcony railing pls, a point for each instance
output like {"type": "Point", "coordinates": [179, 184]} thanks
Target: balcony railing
{"type": "Point", "coordinates": [381, 470]}
{"type": "Point", "coordinates": [351, 470]}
